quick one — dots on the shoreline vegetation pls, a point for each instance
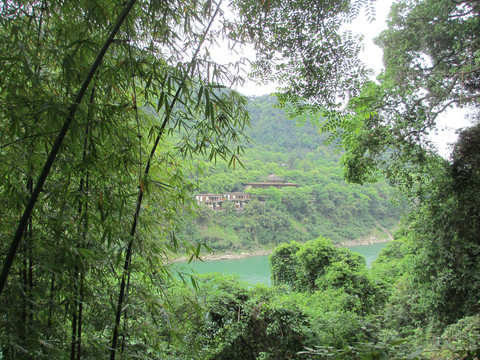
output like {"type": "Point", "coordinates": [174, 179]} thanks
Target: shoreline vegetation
{"type": "Point", "coordinates": [230, 255]}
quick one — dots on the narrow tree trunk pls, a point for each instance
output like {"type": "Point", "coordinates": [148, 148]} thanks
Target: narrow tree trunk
{"type": "Point", "coordinates": [80, 314]}
{"type": "Point", "coordinates": [125, 320]}
{"type": "Point", "coordinates": [79, 272]}
{"type": "Point", "coordinates": [75, 352]}
{"type": "Point", "coordinates": [29, 254]}
{"type": "Point", "coordinates": [56, 147]}
{"type": "Point", "coordinates": [30, 270]}
{"type": "Point", "coordinates": [50, 306]}
{"type": "Point", "coordinates": [23, 276]}
{"type": "Point", "coordinates": [73, 344]}
{"type": "Point", "coordinates": [27, 281]}
{"type": "Point", "coordinates": [133, 230]}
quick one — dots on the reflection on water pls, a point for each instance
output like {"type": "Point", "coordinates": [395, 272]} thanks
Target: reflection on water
{"type": "Point", "coordinates": [255, 269]}
{"type": "Point", "coordinates": [370, 252]}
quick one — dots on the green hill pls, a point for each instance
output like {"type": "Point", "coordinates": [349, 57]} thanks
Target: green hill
{"type": "Point", "coordinates": [323, 204]}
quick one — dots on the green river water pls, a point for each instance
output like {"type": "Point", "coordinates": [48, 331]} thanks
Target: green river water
{"type": "Point", "coordinates": [255, 269]}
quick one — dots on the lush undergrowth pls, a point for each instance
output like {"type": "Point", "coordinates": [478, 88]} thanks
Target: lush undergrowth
{"type": "Point", "coordinates": [323, 304]}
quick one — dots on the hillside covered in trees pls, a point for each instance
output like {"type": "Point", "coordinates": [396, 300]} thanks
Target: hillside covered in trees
{"type": "Point", "coordinates": [323, 204]}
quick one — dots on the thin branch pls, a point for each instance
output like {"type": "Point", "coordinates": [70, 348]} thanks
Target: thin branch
{"type": "Point", "coordinates": [461, 100]}
{"type": "Point", "coordinates": [27, 137]}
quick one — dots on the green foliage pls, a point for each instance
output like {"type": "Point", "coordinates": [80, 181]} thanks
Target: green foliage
{"type": "Point", "coordinates": [431, 274]}
{"type": "Point", "coordinates": [431, 270]}
{"type": "Point", "coordinates": [431, 64]}
{"type": "Point", "coordinates": [459, 340]}
{"type": "Point", "coordinates": [317, 267]}
{"type": "Point", "coordinates": [283, 263]}
{"type": "Point", "coordinates": [390, 264]}
{"type": "Point", "coordinates": [441, 281]}
{"type": "Point", "coordinates": [123, 178]}
{"type": "Point", "coordinates": [319, 62]}
{"type": "Point", "coordinates": [140, 104]}
{"type": "Point", "coordinates": [235, 321]}
{"type": "Point", "coordinates": [313, 259]}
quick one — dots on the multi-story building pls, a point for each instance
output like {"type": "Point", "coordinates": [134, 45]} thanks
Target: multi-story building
{"type": "Point", "coordinates": [240, 199]}
{"type": "Point", "coordinates": [213, 201]}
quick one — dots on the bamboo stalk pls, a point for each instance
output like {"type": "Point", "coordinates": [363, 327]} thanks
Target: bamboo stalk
{"type": "Point", "coordinates": [56, 147]}
{"type": "Point", "coordinates": [133, 230]}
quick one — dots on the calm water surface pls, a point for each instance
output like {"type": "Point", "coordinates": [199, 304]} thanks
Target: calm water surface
{"type": "Point", "coordinates": [255, 269]}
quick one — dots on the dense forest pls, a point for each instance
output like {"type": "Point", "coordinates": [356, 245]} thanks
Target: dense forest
{"type": "Point", "coordinates": [115, 114]}
{"type": "Point", "coordinates": [323, 205]}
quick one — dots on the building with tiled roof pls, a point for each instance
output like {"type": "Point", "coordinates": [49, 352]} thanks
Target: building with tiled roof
{"type": "Point", "coordinates": [272, 180]}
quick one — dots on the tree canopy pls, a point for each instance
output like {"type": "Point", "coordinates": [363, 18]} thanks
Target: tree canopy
{"type": "Point", "coordinates": [431, 64]}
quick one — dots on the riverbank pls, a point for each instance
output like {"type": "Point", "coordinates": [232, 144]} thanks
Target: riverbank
{"type": "Point", "coordinates": [260, 252]}
{"type": "Point", "coordinates": [367, 241]}
{"type": "Point", "coordinates": [378, 237]}
{"type": "Point", "coordinates": [228, 255]}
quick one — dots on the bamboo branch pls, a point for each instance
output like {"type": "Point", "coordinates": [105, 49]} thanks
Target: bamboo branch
{"type": "Point", "coordinates": [128, 255]}
{"type": "Point", "coordinates": [56, 147]}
